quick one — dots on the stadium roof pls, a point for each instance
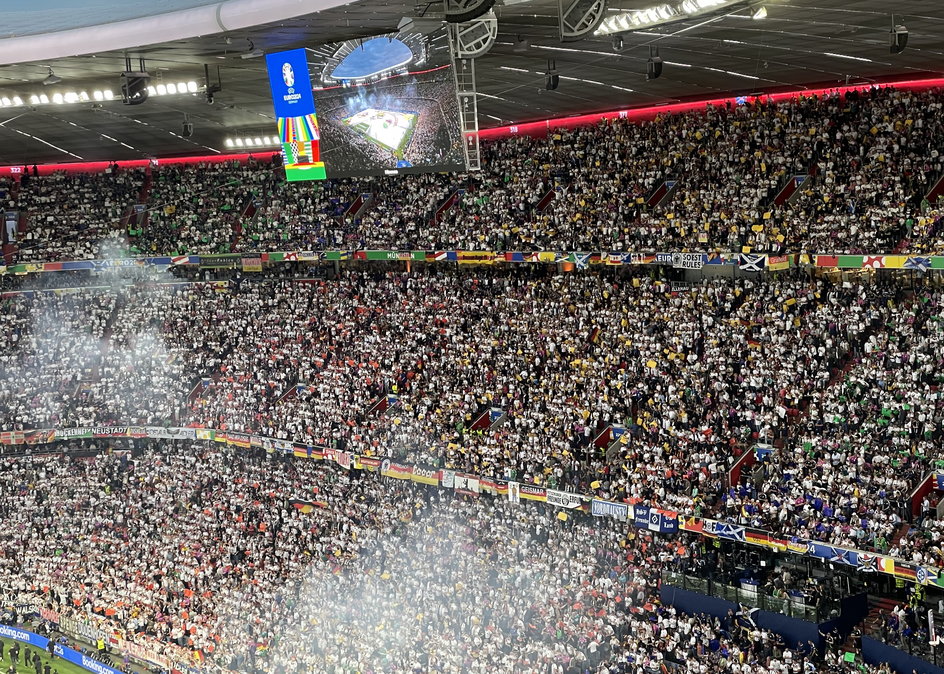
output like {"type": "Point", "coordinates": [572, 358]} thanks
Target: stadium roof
{"type": "Point", "coordinates": [800, 42]}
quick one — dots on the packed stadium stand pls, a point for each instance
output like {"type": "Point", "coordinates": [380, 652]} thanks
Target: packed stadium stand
{"type": "Point", "coordinates": [870, 158]}
{"type": "Point", "coordinates": [652, 391]}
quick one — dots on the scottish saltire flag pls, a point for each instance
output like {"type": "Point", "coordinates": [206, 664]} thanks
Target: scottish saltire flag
{"type": "Point", "coordinates": [918, 263]}
{"type": "Point", "coordinates": [752, 262]}
{"type": "Point", "coordinates": [731, 532]}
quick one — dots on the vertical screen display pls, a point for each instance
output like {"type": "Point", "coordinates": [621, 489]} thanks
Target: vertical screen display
{"type": "Point", "coordinates": [294, 105]}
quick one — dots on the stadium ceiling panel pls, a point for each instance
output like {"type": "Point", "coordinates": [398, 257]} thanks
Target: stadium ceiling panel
{"type": "Point", "coordinates": [45, 16]}
{"type": "Point", "coordinates": [726, 51]}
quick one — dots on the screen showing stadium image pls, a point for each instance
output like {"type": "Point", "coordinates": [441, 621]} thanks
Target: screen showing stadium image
{"type": "Point", "coordinates": [387, 105]}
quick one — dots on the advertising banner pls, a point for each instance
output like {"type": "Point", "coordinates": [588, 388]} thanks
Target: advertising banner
{"type": "Point", "coordinates": [23, 636]}
{"type": "Point", "coordinates": [564, 499]}
{"type": "Point", "coordinates": [529, 492]}
{"type": "Point", "coordinates": [599, 508]}
{"type": "Point", "coordinates": [83, 661]}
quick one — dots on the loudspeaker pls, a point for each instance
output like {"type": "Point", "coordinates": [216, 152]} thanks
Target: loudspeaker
{"type": "Point", "coordinates": [898, 39]}
{"type": "Point", "coordinates": [134, 87]}
{"type": "Point", "coordinates": [653, 67]}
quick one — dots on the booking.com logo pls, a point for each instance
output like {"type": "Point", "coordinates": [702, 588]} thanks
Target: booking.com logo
{"type": "Point", "coordinates": [13, 633]}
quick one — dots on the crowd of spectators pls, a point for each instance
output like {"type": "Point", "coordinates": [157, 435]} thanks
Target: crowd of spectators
{"type": "Point", "coordinates": [869, 158]}
{"type": "Point", "coordinates": [74, 216]}
{"type": "Point", "coordinates": [184, 548]}
{"type": "Point", "coordinates": [197, 549]}
{"type": "Point", "coordinates": [842, 376]}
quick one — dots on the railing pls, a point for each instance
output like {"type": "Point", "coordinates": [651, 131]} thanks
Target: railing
{"type": "Point", "coordinates": [753, 598]}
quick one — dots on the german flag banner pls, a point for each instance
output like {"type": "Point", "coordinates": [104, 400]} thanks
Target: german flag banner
{"type": "Point", "coordinates": [758, 537]}
{"type": "Point", "coordinates": [495, 487]}
{"type": "Point", "coordinates": [905, 570]}
{"type": "Point", "coordinates": [306, 506]}
{"type": "Point", "coordinates": [238, 439]}
{"type": "Point", "coordinates": [41, 437]}
{"type": "Point", "coordinates": [397, 471]}
{"type": "Point", "coordinates": [529, 492]}
{"type": "Point", "coordinates": [426, 476]}
{"type": "Point", "coordinates": [371, 463]}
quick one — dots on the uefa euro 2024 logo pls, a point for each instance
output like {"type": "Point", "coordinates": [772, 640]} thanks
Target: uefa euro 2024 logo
{"type": "Point", "coordinates": [288, 75]}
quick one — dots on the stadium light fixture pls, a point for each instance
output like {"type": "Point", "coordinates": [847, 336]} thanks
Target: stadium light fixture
{"type": "Point", "coordinates": [63, 97]}
{"type": "Point", "coordinates": [656, 14]}
{"type": "Point", "coordinates": [252, 141]}
{"type": "Point", "coordinates": [759, 13]}
{"type": "Point", "coordinates": [6, 101]}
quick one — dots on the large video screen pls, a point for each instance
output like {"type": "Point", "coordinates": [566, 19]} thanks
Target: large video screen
{"type": "Point", "coordinates": [294, 106]}
{"type": "Point", "coordinates": [387, 105]}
